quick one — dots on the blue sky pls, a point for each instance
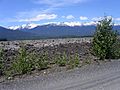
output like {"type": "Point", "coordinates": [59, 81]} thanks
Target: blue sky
{"type": "Point", "coordinates": [18, 12]}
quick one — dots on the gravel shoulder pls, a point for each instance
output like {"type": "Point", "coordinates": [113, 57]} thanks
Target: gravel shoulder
{"type": "Point", "coordinates": [90, 77]}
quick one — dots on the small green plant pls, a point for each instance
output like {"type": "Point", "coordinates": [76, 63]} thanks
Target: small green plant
{"type": "Point", "coordinates": [1, 61]}
{"type": "Point", "coordinates": [116, 50]}
{"type": "Point", "coordinates": [41, 62]}
{"type": "Point", "coordinates": [61, 60]}
{"type": "Point", "coordinates": [87, 61]}
{"type": "Point", "coordinates": [22, 64]}
{"type": "Point", "coordinates": [104, 39]}
{"type": "Point", "coordinates": [74, 61]}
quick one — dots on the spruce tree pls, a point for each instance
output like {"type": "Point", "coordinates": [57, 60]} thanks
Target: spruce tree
{"type": "Point", "coordinates": [104, 38]}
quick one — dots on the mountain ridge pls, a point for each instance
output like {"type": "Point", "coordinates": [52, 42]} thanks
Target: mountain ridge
{"type": "Point", "coordinates": [33, 25]}
{"type": "Point", "coordinates": [50, 31]}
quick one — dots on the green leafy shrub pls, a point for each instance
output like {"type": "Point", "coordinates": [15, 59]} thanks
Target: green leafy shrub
{"type": "Point", "coordinates": [87, 60]}
{"type": "Point", "coordinates": [74, 61]}
{"type": "Point", "coordinates": [104, 39]}
{"type": "Point", "coordinates": [41, 62]}
{"type": "Point", "coordinates": [116, 50]}
{"type": "Point", "coordinates": [22, 63]}
{"type": "Point", "coordinates": [1, 61]}
{"type": "Point", "coordinates": [61, 60]}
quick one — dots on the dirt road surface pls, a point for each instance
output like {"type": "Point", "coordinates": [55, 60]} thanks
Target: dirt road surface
{"type": "Point", "coordinates": [105, 76]}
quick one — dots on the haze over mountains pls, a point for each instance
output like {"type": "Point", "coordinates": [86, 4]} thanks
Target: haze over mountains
{"type": "Point", "coordinates": [50, 30]}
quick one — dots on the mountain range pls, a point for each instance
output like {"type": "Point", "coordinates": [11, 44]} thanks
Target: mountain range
{"type": "Point", "coordinates": [52, 30]}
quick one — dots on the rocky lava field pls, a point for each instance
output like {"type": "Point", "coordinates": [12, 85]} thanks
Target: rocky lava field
{"type": "Point", "coordinates": [53, 47]}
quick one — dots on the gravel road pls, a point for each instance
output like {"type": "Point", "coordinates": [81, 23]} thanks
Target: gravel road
{"type": "Point", "coordinates": [105, 76]}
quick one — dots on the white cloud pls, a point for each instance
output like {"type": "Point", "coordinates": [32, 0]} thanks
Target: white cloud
{"type": "Point", "coordinates": [68, 17]}
{"type": "Point", "coordinates": [97, 18]}
{"type": "Point", "coordinates": [100, 18]}
{"type": "Point", "coordinates": [49, 6]}
{"type": "Point", "coordinates": [83, 18]}
{"type": "Point", "coordinates": [63, 16]}
{"type": "Point", "coordinates": [58, 3]}
{"type": "Point", "coordinates": [39, 18]}
{"type": "Point", "coordinates": [90, 23]}
{"type": "Point", "coordinates": [117, 19]}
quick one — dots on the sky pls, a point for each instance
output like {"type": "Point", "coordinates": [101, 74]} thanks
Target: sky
{"type": "Point", "coordinates": [18, 12]}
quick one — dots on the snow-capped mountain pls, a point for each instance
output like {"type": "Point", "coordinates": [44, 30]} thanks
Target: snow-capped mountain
{"type": "Point", "coordinates": [8, 34]}
{"type": "Point", "coordinates": [51, 30]}
{"type": "Point", "coordinates": [72, 24]}
{"type": "Point", "coordinates": [33, 25]}
{"type": "Point", "coordinates": [24, 26]}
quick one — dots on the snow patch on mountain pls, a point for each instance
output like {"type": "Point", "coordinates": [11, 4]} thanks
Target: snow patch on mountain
{"type": "Point", "coordinates": [71, 24]}
{"type": "Point", "coordinates": [24, 26]}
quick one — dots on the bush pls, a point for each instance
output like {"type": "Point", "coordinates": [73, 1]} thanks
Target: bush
{"type": "Point", "coordinates": [74, 61]}
{"type": "Point", "coordinates": [22, 63]}
{"type": "Point", "coordinates": [41, 61]}
{"type": "Point", "coordinates": [1, 61]}
{"type": "Point", "coordinates": [61, 60]}
{"type": "Point", "coordinates": [104, 39]}
{"type": "Point", "coordinates": [116, 50]}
